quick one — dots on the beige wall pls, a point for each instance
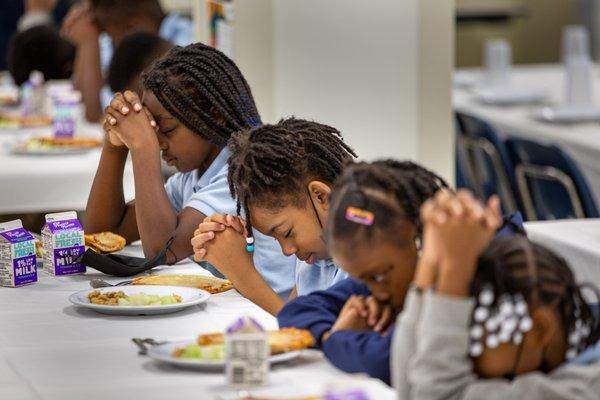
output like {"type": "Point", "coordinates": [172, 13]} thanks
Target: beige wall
{"type": "Point", "coordinates": [184, 6]}
{"type": "Point", "coordinates": [436, 60]}
{"type": "Point", "coordinates": [535, 37]}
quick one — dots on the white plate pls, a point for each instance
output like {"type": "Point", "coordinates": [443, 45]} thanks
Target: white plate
{"type": "Point", "coordinates": [508, 96]}
{"type": "Point", "coordinates": [190, 297]}
{"type": "Point", "coordinates": [467, 79]}
{"type": "Point", "coordinates": [163, 353]}
{"type": "Point", "coordinates": [567, 115]}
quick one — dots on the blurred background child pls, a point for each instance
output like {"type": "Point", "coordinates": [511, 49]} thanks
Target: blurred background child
{"type": "Point", "coordinates": [132, 56]}
{"type": "Point", "coordinates": [96, 26]}
{"type": "Point", "coordinates": [40, 48]}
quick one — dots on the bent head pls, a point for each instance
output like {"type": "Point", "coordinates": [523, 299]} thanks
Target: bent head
{"type": "Point", "coordinates": [530, 313]}
{"type": "Point", "coordinates": [281, 176]}
{"type": "Point", "coordinates": [374, 229]}
{"type": "Point", "coordinates": [198, 97]}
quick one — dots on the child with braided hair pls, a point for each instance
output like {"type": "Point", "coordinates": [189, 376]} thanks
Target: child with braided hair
{"type": "Point", "coordinates": [194, 98]}
{"type": "Point", "coordinates": [374, 234]}
{"type": "Point", "coordinates": [499, 320]}
{"type": "Point", "coordinates": [281, 176]}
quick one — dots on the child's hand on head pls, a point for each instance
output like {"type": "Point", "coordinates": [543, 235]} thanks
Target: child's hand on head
{"type": "Point", "coordinates": [461, 226]}
{"type": "Point", "coordinates": [78, 25]}
{"type": "Point", "coordinates": [40, 5]}
{"type": "Point", "coordinates": [129, 122]}
{"type": "Point", "coordinates": [211, 225]}
{"type": "Point", "coordinates": [428, 263]}
{"type": "Point", "coordinates": [459, 229]}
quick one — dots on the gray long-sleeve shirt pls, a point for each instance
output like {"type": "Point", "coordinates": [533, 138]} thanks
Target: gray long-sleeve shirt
{"type": "Point", "coordinates": [429, 359]}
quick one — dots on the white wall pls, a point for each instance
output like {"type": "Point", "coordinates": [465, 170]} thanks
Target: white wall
{"type": "Point", "coordinates": [353, 66]}
{"type": "Point", "coordinates": [378, 70]}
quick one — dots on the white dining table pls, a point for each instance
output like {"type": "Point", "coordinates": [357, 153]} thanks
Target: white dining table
{"type": "Point", "coordinates": [577, 240]}
{"type": "Point", "coordinates": [581, 140]}
{"type": "Point", "coordinates": [50, 349]}
{"type": "Point", "coordinates": [45, 183]}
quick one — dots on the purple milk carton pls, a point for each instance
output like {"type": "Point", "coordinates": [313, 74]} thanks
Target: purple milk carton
{"type": "Point", "coordinates": [17, 255]}
{"type": "Point", "coordinates": [63, 242]}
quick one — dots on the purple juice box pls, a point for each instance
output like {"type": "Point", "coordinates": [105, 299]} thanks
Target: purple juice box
{"type": "Point", "coordinates": [17, 255]}
{"type": "Point", "coordinates": [64, 114]}
{"type": "Point", "coordinates": [63, 243]}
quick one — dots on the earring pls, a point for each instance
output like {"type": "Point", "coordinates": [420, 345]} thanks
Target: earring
{"type": "Point", "coordinates": [250, 244]}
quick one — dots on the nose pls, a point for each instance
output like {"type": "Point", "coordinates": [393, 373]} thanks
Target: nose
{"type": "Point", "coordinates": [288, 249]}
{"type": "Point", "coordinates": [162, 142]}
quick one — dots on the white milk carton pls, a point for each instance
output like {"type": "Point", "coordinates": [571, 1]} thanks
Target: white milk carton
{"type": "Point", "coordinates": [246, 354]}
{"type": "Point", "coordinates": [17, 255]}
{"type": "Point", "coordinates": [63, 242]}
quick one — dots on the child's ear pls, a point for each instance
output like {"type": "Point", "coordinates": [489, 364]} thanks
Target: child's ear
{"type": "Point", "coordinates": [545, 326]}
{"type": "Point", "coordinates": [319, 192]}
{"type": "Point", "coordinates": [217, 116]}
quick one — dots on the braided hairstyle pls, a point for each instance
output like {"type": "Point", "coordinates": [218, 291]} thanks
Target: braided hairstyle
{"type": "Point", "coordinates": [512, 266]}
{"type": "Point", "coordinates": [194, 81]}
{"type": "Point", "coordinates": [389, 190]}
{"type": "Point", "coordinates": [271, 166]}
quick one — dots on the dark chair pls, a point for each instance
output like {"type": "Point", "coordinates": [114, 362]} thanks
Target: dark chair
{"type": "Point", "coordinates": [484, 164]}
{"type": "Point", "coordinates": [551, 186]}
{"type": "Point", "coordinates": [461, 168]}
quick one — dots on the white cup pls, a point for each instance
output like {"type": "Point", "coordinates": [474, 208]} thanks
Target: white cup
{"type": "Point", "coordinates": [575, 42]}
{"type": "Point", "coordinates": [579, 83]}
{"type": "Point", "coordinates": [497, 62]}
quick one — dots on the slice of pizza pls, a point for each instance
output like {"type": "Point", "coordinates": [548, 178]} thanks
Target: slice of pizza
{"type": "Point", "coordinates": [74, 142]}
{"type": "Point", "coordinates": [105, 242]}
{"type": "Point", "coordinates": [281, 341]}
{"type": "Point", "coordinates": [289, 339]}
{"type": "Point", "coordinates": [211, 284]}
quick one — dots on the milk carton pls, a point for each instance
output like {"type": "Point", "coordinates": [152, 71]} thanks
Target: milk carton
{"type": "Point", "coordinates": [246, 354]}
{"type": "Point", "coordinates": [17, 255]}
{"type": "Point", "coordinates": [64, 113]}
{"type": "Point", "coordinates": [63, 242]}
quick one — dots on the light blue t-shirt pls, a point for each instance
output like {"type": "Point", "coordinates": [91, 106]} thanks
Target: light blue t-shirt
{"type": "Point", "coordinates": [317, 276]}
{"type": "Point", "coordinates": [174, 28]}
{"type": "Point", "coordinates": [208, 192]}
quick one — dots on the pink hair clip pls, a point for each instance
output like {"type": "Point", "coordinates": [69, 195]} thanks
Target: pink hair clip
{"type": "Point", "coordinates": [360, 216]}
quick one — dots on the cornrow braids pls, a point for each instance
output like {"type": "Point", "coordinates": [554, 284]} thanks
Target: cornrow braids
{"type": "Point", "coordinates": [515, 270]}
{"type": "Point", "coordinates": [195, 81]}
{"type": "Point", "coordinates": [388, 191]}
{"type": "Point", "coordinates": [272, 165]}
